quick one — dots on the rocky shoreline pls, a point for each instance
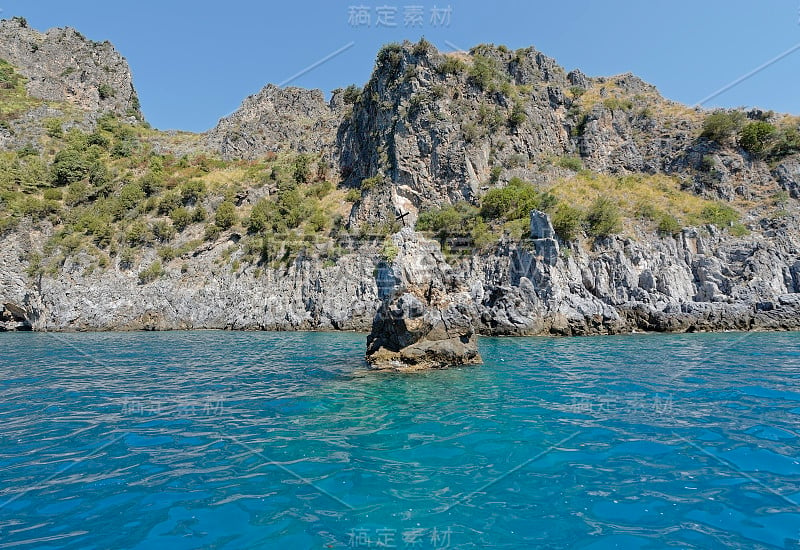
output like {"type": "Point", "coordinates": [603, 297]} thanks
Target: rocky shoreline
{"type": "Point", "coordinates": [697, 281]}
{"type": "Point", "coordinates": [428, 131]}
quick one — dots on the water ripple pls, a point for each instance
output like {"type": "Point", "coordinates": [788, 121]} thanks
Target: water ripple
{"type": "Point", "coordinates": [254, 440]}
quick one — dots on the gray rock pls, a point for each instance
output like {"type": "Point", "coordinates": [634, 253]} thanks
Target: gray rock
{"type": "Point", "coordinates": [63, 65]}
{"type": "Point", "coordinates": [541, 226]}
{"type": "Point", "coordinates": [426, 321]}
{"type": "Point", "coordinates": [275, 119]}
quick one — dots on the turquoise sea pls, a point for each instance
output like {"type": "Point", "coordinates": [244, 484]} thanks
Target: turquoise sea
{"type": "Point", "coordinates": [283, 440]}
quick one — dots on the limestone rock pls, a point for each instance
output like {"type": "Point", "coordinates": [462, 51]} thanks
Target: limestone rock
{"type": "Point", "coordinates": [62, 65]}
{"type": "Point", "coordinates": [426, 317]}
{"type": "Point", "coordinates": [292, 118]}
{"type": "Point", "coordinates": [541, 226]}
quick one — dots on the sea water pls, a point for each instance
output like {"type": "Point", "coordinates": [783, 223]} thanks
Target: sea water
{"type": "Point", "coordinates": [284, 440]}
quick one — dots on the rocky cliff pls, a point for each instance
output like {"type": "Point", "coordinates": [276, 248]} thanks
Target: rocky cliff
{"type": "Point", "coordinates": [67, 77]}
{"type": "Point", "coordinates": [280, 217]}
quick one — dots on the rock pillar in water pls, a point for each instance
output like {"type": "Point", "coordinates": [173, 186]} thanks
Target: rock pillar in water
{"type": "Point", "coordinates": [426, 316]}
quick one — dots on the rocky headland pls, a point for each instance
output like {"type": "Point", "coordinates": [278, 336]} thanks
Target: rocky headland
{"type": "Point", "coordinates": [534, 200]}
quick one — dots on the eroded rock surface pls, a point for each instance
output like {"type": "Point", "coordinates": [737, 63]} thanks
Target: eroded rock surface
{"type": "Point", "coordinates": [427, 313]}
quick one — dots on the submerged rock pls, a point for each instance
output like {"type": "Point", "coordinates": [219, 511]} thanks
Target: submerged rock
{"type": "Point", "coordinates": [426, 316]}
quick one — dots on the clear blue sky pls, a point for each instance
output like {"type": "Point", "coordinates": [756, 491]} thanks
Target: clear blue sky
{"type": "Point", "coordinates": [195, 61]}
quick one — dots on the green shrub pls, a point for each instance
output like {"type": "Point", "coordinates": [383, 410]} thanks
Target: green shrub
{"type": "Point", "coordinates": [167, 253]}
{"type": "Point", "coordinates": [567, 222]}
{"type": "Point", "coordinates": [720, 126]}
{"type": "Point", "coordinates": [603, 218]}
{"type": "Point", "coordinates": [708, 163]}
{"type": "Point", "coordinates": [669, 225]}
{"type": "Point", "coordinates": [494, 174]}
{"type": "Point", "coordinates": [192, 191]}
{"type": "Point", "coordinates": [69, 166]}
{"type": "Point", "coordinates": [484, 72]}
{"type": "Point", "coordinates": [352, 195]}
{"type": "Point", "coordinates": [301, 170]}
{"type": "Point", "coordinates": [125, 143]}
{"type": "Point", "coordinates": [53, 194]}
{"type": "Point", "coordinates": [163, 231]}
{"type": "Point", "coordinates": [518, 115]}
{"type": "Point", "coordinates": [212, 232]}
{"type": "Point", "coordinates": [471, 132]}
{"type": "Point", "coordinates": [570, 163]}
{"type": "Point", "coordinates": [98, 227]}
{"type": "Point", "coordinates": [151, 273]}
{"type": "Point", "coordinates": [719, 214]}
{"type": "Point", "coordinates": [27, 150]}
{"type": "Point", "coordinates": [458, 219]}
{"type": "Point", "coordinates": [370, 183]}
{"type": "Point", "coordinates": [290, 209]}
{"type": "Point", "coordinates": [318, 220]}
{"type": "Point", "coordinates": [168, 203]}
{"type": "Point", "coordinates": [547, 202]}
{"type": "Point", "coordinates": [320, 190]}
{"type": "Point", "coordinates": [105, 91]}
{"type": "Point", "coordinates": [490, 118]}
{"type": "Point", "coordinates": [787, 142]}
{"type": "Point", "coordinates": [77, 193]}
{"type": "Point", "coordinates": [755, 137]}
{"type": "Point", "coordinates": [199, 214]}
{"type": "Point", "coordinates": [181, 218]}
{"type": "Point", "coordinates": [422, 47]}
{"type": "Point", "coordinates": [130, 196]}
{"type": "Point", "coordinates": [97, 139]}
{"type": "Point", "coordinates": [100, 178]}
{"type": "Point", "coordinates": [351, 94]}
{"type": "Point", "coordinates": [53, 128]}
{"type": "Point", "coordinates": [576, 91]}
{"type": "Point", "coordinates": [152, 182]}
{"type": "Point", "coordinates": [389, 251]}
{"type": "Point", "coordinates": [138, 234]}
{"type": "Point", "coordinates": [739, 230]}
{"type": "Point", "coordinates": [126, 258]}
{"type": "Point", "coordinates": [515, 201]}
{"type": "Point", "coordinates": [618, 104]}
{"type": "Point", "coordinates": [107, 122]}
{"type": "Point", "coordinates": [451, 65]}
{"type": "Point", "coordinates": [260, 219]}
{"type": "Point", "coordinates": [391, 55]}
{"type": "Point", "coordinates": [225, 216]}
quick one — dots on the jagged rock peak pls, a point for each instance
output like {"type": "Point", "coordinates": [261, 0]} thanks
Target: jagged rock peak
{"type": "Point", "coordinates": [63, 65]}
{"type": "Point", "coordinates": [275, 118]}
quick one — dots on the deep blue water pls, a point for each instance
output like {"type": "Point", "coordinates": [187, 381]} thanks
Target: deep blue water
{"type": "Point", "coordinates": [282, 440]}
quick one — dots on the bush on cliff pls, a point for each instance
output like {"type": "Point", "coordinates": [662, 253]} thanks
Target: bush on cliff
{"type": "Point", "coordinates": [603, 218]}
{"type": "Point", "coordinates": [721, 126]}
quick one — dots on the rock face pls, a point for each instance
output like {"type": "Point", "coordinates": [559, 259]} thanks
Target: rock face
{"type": "Point", "coordinates": [426, 315]}
{"type": "Point", "coordinates": [428, 131]}
{"type": "Point", "coordinates": [274, 119]}
{"type": "Point", "coordinates": [62, 65]}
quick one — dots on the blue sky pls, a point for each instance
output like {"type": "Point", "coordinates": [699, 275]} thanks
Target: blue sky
{"type": "Point", "coordinates": [195, 61]}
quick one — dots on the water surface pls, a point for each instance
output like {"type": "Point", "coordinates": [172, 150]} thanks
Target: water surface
{"type": "Point", "coordinates": [281, 440]}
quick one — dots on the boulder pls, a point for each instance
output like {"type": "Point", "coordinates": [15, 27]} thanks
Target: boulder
{"type": "Point", "coordinates": [426, 318]}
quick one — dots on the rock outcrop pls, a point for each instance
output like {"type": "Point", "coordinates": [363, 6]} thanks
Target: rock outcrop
{"type": "Point", "coordinates": [69, 78]}
{"type": "Point", "coordinates": [276, 119]}
{"type": "Point", "coordinates": [64, 66]}
{"type": "Point", "coordinates": [426, 315]}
